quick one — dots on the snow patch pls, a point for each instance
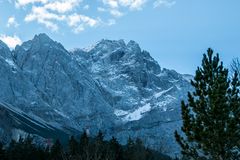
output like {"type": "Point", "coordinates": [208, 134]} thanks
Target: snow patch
{"type": "Point", "coordinates": [132, 88]}
{"type": "Point", "coordinates": [159, 94]}
{"type": "Point", "coordinates": [10, 62]}
{"type": "Point", "coordinates": [171, 97]}
{"type": "Point", "coordinates": [119, 112]}
{"type": "Point", "coordinates": [61, 113]}
{"type": "Point", "coordinates": [162, 74]}
{"type": "Point", "coordinates": [178, 87]}
{"type": "Point", "coordinates": [174, 81]}
{"type": "Point", "coordinates": [138, 113]}
{"type": "Point", "coordinates": [33, 103]}
{"type": "Point", "coordinates": [96, 68]}
{"type": "Point", "coordinates": [164, 103]}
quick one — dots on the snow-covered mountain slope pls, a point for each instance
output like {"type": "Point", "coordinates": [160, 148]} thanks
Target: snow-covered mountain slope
{"type": "Point", "coordinates": [112, 86]}
{"type": "Point", "coordinates": [145, 98]}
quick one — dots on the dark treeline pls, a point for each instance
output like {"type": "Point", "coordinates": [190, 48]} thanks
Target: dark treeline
{"type": "Point", "coordinates": [83, 148]}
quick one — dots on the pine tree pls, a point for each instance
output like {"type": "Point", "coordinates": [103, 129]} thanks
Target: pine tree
{"type": "Point", "coordinates": [73, 146]}
{"type": "Point", "coordinates": [99, 147]}
{"type": "Point", "coordinates": [211, 119]}
{"type": "Point", "coordinates": [139, 149]}
{"type": "Point", "coordinates": [114, 151]}
{"type": "Point", "coordinates": [149, 154]}
{"type": "Point", "coordinates": [57, 151]}
{"type": "Point", "coordinates": [28, 148]}
{"type": "Point", "coordinates": [2, 152]}
{"type": "Point", "coordinates": [12, 152]}
{"type": "Point", "coordinates": [84, 147]}
{"type": "Point", "coordinates": [130, 149]}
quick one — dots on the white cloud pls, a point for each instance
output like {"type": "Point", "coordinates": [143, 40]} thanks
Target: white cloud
{"type": "Point", "coordinates": [62, 6]}
{"type": "Point", "coordinates": [131, 4]}
{"type": "Point", "coordinates": [78, 22]}
{"type": "Point", "coordinates": [165, 3]}
{"type": "Point", "coordinates": [114, 6]}
{"type": "Point", "coordinates": [54, 13]}
{"type": "Point", "coordinates": [21, 3]}
{"type": "Point", "coordinates": [86, 7]}
{"type": "Point", "coordinates": [12, 22]}
{"type": "Point", "coordinates": [111, 3]}
{"type": "Point", "coordinates": [75, 19]}
{"type": "Point", "coordinates": [100, 9]}
{"type": "Point", "coordinates": [111, 22]}
{"type": "Point", "coordinates": [78, 29]}
{"type": "Point", "coordinates": [41, 15]}
{"type": "Point", "coordinates": [11, 41]}
{"type": "Point", "coordinates": [116, 13]}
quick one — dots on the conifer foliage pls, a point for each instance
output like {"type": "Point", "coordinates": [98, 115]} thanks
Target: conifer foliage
{"type": "Point", "coordinates": [211, 118]}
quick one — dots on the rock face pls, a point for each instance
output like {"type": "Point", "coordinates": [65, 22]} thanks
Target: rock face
{"type": "Point", "coordinates": [63, 84]}
{"type": "Point", "coordinates": [112, 86]}
{"type": "Point", "coordinates": [145, 98]}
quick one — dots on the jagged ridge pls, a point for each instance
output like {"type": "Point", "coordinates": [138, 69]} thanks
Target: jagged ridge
{"type": "Point", "coordinates": [112, 86]}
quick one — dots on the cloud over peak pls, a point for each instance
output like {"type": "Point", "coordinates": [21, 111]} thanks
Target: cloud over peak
{"type": "Point", "coordinates": [11, 41]}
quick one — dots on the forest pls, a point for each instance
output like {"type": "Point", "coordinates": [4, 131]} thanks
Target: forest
{"type": "Point", "coordinates": [82, 148]}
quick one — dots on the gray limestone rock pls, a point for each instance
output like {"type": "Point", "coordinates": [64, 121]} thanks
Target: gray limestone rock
{"type": "Point", "coordinates": [112, 86]}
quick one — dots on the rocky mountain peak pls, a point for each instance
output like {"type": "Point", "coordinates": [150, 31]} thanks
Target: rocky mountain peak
{"type": "Point", "coordinates": [117, 54]}
{"type": "Point", "coordinates": [106, 46]}
{"type": "Point", "coordinates": [112, 43]}
{"type": "Point", "coordinates": [42, 37]}
{"type": "Point", "coordinates": [38, 51]}
{"type": "Point", "coordinates": [4, 50]}
{"type": "Point", "coordinates": [39, 42]}
{"type": "Point", "coordinates": [134, 46]}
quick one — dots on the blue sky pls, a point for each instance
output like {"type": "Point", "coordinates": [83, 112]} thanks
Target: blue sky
{"type": "Point", "coordinates": [175, 32]}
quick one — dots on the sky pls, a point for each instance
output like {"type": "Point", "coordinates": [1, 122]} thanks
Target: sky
{"type": "Point", "coordinates": [175, 32]}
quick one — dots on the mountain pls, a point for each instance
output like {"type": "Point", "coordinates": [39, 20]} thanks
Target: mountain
{"type": "Point", "coordinates": [63, 84]}
{"type": "Point", "coordinates": [146, 99]}
{"type": "Point", "coordinates": [111, 86]}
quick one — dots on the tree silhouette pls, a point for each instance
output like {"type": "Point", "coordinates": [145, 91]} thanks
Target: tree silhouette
{"type": "Point", "coordinates": [57, 151]}
{"type": "Point", "coordinates": [2, 152]}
